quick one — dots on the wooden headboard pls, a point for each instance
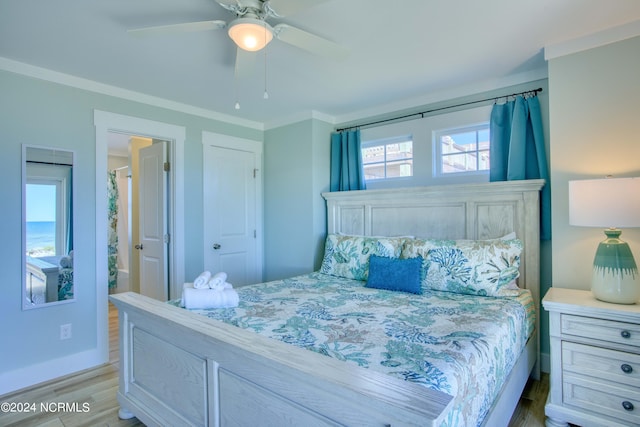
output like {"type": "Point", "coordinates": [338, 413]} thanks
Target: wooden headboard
{"type": "Point", "coordinates": [469, 211]}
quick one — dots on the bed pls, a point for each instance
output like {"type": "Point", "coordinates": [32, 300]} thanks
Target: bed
{"type": "Point", "coordinates": [180, 367]}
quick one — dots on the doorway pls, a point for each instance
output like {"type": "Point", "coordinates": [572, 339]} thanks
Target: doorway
{"type": "Point", "coordinates": [138, 232]}
{"type": "Point", "coordinates": [105, 123]}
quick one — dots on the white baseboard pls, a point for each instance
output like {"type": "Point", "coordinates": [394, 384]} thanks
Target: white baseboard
{"type": "Point", "coordinates": [35, 374]}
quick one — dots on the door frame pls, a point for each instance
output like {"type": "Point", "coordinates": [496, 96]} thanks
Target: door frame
{"type": "Point", "coordinates": [104, 123]}
{"type": "Point", "coordinates": [256, 147]}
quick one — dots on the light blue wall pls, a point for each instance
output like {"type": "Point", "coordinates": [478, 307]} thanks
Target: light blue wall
{"type": "Point", "coordinates": [296, 161]}
{"type": "Point", "coordinates": [596, 132]}
{"type": "Point", "coordinates": [34, 111]}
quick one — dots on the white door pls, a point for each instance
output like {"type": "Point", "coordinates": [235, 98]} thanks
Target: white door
{"type": "Point", "coordinates": [229, 188]}
{"type": "Point", "coordinates": [153, 238]}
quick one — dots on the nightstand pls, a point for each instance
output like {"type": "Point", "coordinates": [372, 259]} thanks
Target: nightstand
{"type": "Point", "coordinates": [595, 361]}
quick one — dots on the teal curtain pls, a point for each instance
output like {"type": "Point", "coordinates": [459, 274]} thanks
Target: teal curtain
{"type": "Point", "coordinates": [346, 161]}
{"type": "Point", "coordinates": [112, 238]}
{"type": "Point", "coordinates": [517, 149]}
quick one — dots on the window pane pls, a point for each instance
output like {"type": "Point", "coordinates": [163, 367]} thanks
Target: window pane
{"type": "Point", "coordinates": [41, 220]}
{"type": "Point", "coordinates": [484, 163]}
{"type": "Point", "coordinates": [459, 163]}
{"type": "Point", "coordinates": [388, 160]}
{"type": "Point", "coordinates": [400, 169]}
{"type": "Point", "coordinates": [464, 150]}
{"type": "Point", "coordinates": [483, 134]}
{"type": "Point", "coordinates": [465, 141]}
{"type": "Point", "coordinates": [375, 171]}
{"type": "Point", "coordinates": [373, 154]}
{"type": "Point", "coordinates": [399, 151]}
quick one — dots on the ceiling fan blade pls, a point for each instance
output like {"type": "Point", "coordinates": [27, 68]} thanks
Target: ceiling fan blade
{"type": "Point", "coordinates": [290, 7]}
{"type": "Point", "coordinates": [245, 63]}
{"type": "Point", "coordinates": [225, 3]}
{"type": "Point", "coordinates": [178, 28]}
{"type": "Point", "coordinates": [309, 42]}
{"type": "Point", "coordinates": [231, 5]}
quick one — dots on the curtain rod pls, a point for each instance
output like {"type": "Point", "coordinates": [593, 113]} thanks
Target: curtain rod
{"type": "Point", "coordinates": [422, 113]}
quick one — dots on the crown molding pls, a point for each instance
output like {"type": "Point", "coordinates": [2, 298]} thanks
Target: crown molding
{"type": "Point", "coordinates": [104, 89]}
{"type": "Point", "coordinates": [299, 117]}
{"type": "Point", "coordinates": [600, 38]}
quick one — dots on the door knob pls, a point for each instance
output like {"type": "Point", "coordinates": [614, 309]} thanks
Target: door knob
{"type": "Point", "coordinates": [139, 247]}
{"type": "Point", "coordinates": [216, 246]}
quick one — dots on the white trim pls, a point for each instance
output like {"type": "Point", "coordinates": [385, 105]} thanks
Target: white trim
{"type": "Point", "coordinates": [601, 38]}
{"type": "Point", "coordinates": [433, 97]}
{"type": "Point", "coordinates": [299, 117]}
{"type": "Point", "coordinates": [256, 147]}
{"type": "Point", "coordinates": [97, 87]}
{"type": "Point", "coordinates": [104, 123]}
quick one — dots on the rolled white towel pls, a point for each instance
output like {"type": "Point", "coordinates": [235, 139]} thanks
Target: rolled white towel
{"type": "Point", "coordinates": [207, 298]}
{"type": "Point", "coordinates": [222, 286]}
{"type": "Point", "coordinates": [66, 262]}
{"type": "Point", "coordinates": [217, 280]}
{"type": "Point", "coordinates": [202, 281]}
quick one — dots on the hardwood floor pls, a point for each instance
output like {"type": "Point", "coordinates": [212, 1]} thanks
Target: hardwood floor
{"type": "Point", "coordinates": [530, 410]}
{"type": "Point", "coordinates": [92, 396]}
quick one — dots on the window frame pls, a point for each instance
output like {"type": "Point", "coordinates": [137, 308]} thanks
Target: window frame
{"type": "Point", "coordinates": [58, 177]}
{"type": "Point", "coordinates": [384, 142]}
{"type": "Point", "coordinates": [438, 154]}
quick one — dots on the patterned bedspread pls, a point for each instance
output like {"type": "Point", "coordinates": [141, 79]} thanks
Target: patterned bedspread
{"type": "Point", "coordinates": [462, 345]}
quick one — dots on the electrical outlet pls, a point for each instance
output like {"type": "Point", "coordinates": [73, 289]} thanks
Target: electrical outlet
{"type": "Point", "coordinates": [65, 331]}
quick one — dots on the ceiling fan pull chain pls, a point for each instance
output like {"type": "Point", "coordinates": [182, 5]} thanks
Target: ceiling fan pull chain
{"type": "Point", "coordinates": [266, 94]}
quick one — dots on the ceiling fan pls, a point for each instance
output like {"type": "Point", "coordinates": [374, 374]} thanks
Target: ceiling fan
{"type": "Point", "coordinates": [251, 31]}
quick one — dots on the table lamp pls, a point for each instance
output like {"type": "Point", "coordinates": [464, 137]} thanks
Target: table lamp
{"type": "Point", "coordinates": [613, 203]}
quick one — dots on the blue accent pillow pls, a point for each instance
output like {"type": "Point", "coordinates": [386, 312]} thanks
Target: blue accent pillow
{"type": "Point", "coordinates": [395, 274]}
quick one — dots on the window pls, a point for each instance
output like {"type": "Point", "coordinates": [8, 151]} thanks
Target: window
{"type": "Point", "coordinates": [462, 150]}
{"type": "Point", "coordinates": [47, 209]}
{"type": "Point", "coordinates": [388, 158]}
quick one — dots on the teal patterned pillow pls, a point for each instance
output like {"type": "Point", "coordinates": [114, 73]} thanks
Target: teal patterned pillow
{"type": "Point", "coordinates": [395, 274]}
{"type": "Point", "coordinates": [348, 256]}
{"type": "Point", "coordinates": [475, 267]}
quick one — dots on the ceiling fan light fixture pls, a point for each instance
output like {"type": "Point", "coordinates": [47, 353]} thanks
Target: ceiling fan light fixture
{"type": "Point", "coordinates": [250, 34]}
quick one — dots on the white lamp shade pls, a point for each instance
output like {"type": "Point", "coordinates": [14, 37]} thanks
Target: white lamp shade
{"type": "Point", "coordinates": [610, 202]}
{"type": "Point", "coordinates": [250, 34]}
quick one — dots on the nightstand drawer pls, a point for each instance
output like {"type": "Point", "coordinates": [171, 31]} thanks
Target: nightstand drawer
{"type": "Point", "coordinates": [605, 364]}
{"type": "Point", "coordinates": [599, 329]}
{"type": "Point", "coordinates": [606, 400]}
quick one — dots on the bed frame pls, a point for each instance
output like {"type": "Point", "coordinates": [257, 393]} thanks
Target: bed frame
{"type": "Point", "coordinates": [180, 368]}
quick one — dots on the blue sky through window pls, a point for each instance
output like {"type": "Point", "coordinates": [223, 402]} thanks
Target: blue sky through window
{"type": "Point", "coordinates": [41, 203]}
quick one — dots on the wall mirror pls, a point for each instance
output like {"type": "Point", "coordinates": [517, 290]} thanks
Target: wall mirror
{"type": "Point", "coordinates": [47, 226]}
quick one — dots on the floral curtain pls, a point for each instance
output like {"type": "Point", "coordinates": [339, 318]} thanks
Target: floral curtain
{"type": "Point", "coordinates": [112, 238]}
{"type": "Point", "coordinates": [517, 149]}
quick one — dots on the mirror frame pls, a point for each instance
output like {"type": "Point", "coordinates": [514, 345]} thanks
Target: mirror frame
{"type": "Point", "coordinates": [26, 304]}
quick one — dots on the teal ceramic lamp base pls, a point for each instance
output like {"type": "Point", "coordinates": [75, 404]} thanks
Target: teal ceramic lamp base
{"type": "Point", "coordinates": [615, 274]}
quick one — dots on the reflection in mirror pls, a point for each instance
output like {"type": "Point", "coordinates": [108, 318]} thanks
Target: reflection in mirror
{"type": "Point", "coordinates": [47, 213]}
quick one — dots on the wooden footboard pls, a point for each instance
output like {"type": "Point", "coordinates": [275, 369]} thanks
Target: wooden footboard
{"type": "Point", "coordinates": [179, 368]}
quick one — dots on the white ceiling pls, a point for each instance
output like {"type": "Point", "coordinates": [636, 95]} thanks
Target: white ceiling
{"type": "Point", "coordinates": [401, 52]}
